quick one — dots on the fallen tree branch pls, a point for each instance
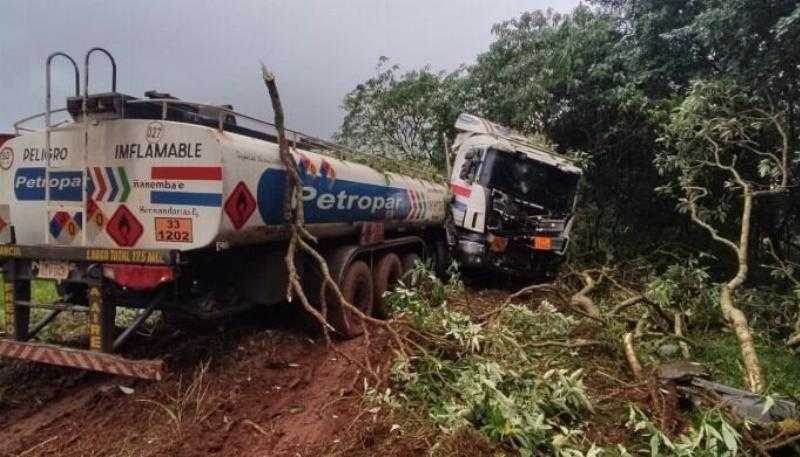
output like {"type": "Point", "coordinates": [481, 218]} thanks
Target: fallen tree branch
{"type": "Point", "coordinates": [636, 298]}
{"type": "Point", "coordinates": [680, 338]}
{"type": "Point", "coordinates": [679, 334]}
{"type": "Point", "coordinates": [783, 443]}
{"type": "Point", "coordinates": [548, 287]}
{"type": "Point", "coordinates": [576, 343]}
{"type": "Point", "coordinates": [527, 290]}
{"type": "Point", "coordinates": [299, 237]}
{"type": "Point", "coordinates": [292, 207]}
{"type": "Point", "coordinates": [581, 298]}
{"type": "Point", "coordinates": [626, 304]}
{"type": "Point", "coordinates": [630, 355]}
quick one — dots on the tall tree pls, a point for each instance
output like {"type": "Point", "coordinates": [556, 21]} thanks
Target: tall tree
{"type": "Point", "coordinates": [400, 114]}
{"type": "Point", "coordinates": [732, 147]}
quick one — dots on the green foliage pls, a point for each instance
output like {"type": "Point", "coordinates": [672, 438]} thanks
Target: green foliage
{"type": "Point", "coordinates": [720, 353]}
{"type": "Point", "coordinates": [686, 287]}
{"type": "Point", "coordinates": [711, 436]}
{"type": "Point", "coordinates": [517, 408]}
{"type": "Point", "coordinates": [545, 323]}
{"type": "Point", "coordinates": [459, 327]}
{"type": "Point", "coordinates": [494, 391]}
{"type": "Point", "coordinates": [401, 116]}
{"type": "Point", "coordinates": [605, 81]}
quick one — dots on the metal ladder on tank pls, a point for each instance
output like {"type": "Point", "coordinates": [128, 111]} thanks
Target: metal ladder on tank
{"type": "Point", "coordinates": [84, 119]}
{"type": "Point", "coordinates": [48, 129]}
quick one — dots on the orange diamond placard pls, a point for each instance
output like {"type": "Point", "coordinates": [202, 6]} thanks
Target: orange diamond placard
{"type": "Point", "coordinates": [124, 228]}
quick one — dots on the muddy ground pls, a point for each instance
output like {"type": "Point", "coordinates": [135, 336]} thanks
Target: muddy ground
{"type": "Point", "coordinates": [259, 386]}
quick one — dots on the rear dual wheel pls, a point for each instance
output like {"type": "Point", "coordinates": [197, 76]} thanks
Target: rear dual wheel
{"type": "Point", "coordinates": [364, 290]}
{"type": "Point", "coordinates": [357, 289]}
{"type": "Point", "coordinates": [388, 271]}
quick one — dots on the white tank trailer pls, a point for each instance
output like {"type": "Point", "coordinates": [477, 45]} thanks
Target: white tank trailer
{"type": "Point", "coordinates": [169, 205]}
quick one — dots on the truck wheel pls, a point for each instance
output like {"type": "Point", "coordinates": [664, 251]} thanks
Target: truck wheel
{"type": "Point", "coordinates": [357, 289]}
{"type": "Point", "coordinates": [408, 262]}
{"type": "Point", "coordinates": [387, 273]}
{"type": "Point", "coordinates": [441, 261]}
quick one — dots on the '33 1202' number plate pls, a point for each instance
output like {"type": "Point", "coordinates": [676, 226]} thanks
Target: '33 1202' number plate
{"type": "Point", "coordinates": [174, 229]}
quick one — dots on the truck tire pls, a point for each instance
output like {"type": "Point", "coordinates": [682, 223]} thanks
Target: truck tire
{"type": "Point", "coordinates": [408, 262]}
{"type": "Point", "coordinates": [357, 289]}
{"type": "Point", "coordinates": [441, 260]}
{"type": "Point", "coordinates": [387, 273]}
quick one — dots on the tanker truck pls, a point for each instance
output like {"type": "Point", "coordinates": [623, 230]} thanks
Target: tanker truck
{"type": "Point", "coordinates": [161, 204]}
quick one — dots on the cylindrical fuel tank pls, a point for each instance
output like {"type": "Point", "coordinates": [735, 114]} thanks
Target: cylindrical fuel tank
{"type": "Point", "coordinates": [144, 184]}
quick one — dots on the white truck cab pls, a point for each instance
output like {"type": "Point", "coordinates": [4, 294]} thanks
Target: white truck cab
{"type": "Point", "coordinates": [513, 200]}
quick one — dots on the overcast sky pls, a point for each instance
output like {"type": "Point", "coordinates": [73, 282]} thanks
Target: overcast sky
{"type": "Point", "coordinates": [209, 51]}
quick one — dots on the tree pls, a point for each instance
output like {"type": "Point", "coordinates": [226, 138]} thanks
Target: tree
{"type": "Point", "coordinates": [400, 115]}
{"type": "Point", "coordinates": [571, 78]}
{"type": "Point", "coordinates": [728, 149]}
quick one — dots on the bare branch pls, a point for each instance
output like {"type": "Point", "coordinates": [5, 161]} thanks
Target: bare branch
{"type": "Point", "coordinates": [693, 213]}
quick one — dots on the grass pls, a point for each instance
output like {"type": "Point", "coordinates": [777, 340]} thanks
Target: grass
{"type": "Point", "coordinates": [720, 353]}
{"type": "Point", "coordinates": [187, 404]}
{"type": "Point", "coordinates": [42, 291]}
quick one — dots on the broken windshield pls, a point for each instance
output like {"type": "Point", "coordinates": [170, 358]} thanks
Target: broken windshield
{"type": "Point", "coordinates": [529, 180]}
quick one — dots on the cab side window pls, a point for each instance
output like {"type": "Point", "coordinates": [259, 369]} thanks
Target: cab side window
{"type": "Point", "coordinates": [472, 161]}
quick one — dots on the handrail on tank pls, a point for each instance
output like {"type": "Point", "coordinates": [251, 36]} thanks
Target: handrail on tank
{"type": "Point", "coordinates": [47, 126]}
{"type": "Point", "coordinates": [47, 82]}
{"type": "Point", "coordinates": [86, 71]}
{"type": "Point", "coordinates": [18, 125]}
{"type": "Point", "coordinates": [224, 112]}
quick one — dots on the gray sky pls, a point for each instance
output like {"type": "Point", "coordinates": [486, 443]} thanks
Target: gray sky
{"type": "Point", "coordinates": [209, 51]}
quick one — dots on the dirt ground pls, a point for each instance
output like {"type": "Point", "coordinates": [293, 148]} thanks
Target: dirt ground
{"type": "Point", "coordinates": [264, 385]}
{"type": "Point", "coordinates": [258, 387]}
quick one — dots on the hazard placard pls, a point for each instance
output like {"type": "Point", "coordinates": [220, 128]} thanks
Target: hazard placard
{"type": "Point", "coordinates": [64, 227]}
{"type": "Point", "coordinates": [240, 205]}
{"type": "Point", "coordinates": [95, 220]}
{"type": "Point", "coordinates": [124, 228]}
{"type": "Point", "coordinates": [174, 229]}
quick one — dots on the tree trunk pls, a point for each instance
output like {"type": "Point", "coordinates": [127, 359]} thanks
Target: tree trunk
{"type": "Point", "coordinates": [737, 320]}
{"type": "Point", "coordinates": [735, 317]}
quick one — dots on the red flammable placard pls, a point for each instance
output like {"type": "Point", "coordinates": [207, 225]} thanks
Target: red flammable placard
{"type": "Point", "coordinates": [240, 205]}
{"type": "Point", "coordinates": [124, 228]}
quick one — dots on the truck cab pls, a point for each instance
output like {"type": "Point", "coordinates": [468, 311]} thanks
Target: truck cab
{"type": "Point", "coordinates": [513, 201]}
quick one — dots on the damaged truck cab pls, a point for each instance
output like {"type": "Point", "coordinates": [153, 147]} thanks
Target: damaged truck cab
{"type": "Point", "coordinates": [513, 203]}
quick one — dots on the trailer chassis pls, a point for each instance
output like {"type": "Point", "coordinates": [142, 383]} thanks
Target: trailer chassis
{"type": "Point", "coordinates": [18, 271]}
